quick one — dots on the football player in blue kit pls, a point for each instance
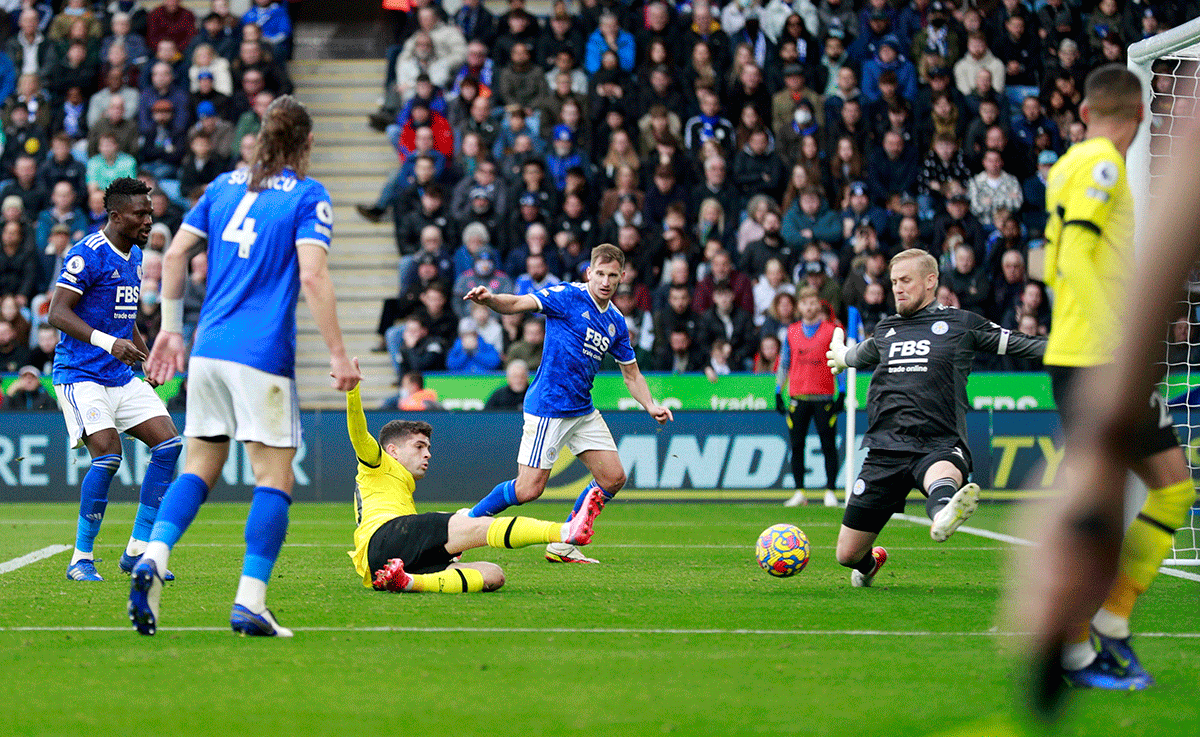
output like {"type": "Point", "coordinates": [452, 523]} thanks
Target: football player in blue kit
{"type": "Point", "coordinates": [268, 230]}
{"type": "Point", "coordinates": [581, 326]}
{"type": "Point", "coordinates": [95, 305]}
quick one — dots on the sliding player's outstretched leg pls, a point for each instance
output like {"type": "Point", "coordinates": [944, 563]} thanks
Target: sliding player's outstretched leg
{"type": "Point", "coordinates": [405, 536]}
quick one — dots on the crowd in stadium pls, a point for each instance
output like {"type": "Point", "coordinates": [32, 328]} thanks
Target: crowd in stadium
{"type": "Point", "coordinates": [94, 91]}
{"type": "Point", "coordinates": [734, 153]}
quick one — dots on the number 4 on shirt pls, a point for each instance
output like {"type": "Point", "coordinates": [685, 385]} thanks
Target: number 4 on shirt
{"type": "Point", "coordinates": [240, 229]}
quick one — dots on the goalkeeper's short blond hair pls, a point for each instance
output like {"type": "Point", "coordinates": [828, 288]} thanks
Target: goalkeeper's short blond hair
{"type": "Point", "coordinates": [925, 261]}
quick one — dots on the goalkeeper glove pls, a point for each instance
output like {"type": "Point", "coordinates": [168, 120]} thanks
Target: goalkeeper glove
{"type": "Point", "coordinates": [779, 405]}
{"type": "Point", "coordinates": [836, 355]}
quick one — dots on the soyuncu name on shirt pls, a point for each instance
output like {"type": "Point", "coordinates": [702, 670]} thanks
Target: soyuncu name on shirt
{"type": "Point", "coordinates": [126, 306]}
{"type": "Point", "coordinates": [282, 182]}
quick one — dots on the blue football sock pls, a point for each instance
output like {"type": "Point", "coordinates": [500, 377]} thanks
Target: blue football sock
{"type": "Point", "coordinates": [93, 499]}
{"type": "Point", "coordinates": [500, 498]}
{"type": "Point", "coordinates": [266, 527]}
{"type": "Point", "coordinates": [178, 509]}
{"type": "Point", "coordinates": [158, 475]}
{"type": "Point", "coordinates": [583, 495]}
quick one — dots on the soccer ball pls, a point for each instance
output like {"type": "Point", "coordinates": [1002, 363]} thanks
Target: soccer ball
{"type": "Point", "coordinates": [782, 550]}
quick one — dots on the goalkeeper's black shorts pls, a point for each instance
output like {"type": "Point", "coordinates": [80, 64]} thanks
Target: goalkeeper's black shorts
{"type": "Point", "coordinates": [887, 477]}
{"type": "Point", "coordinates": [1150, 433]}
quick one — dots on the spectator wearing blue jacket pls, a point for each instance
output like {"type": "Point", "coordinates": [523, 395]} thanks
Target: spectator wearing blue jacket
{"type": "Point", "coordinates": [809, 219]}
{"type": "Point", "coordinates": [1033, 122]}
{"type": "Point", "coordinates": [878, 25]}
{"type": "Point", "coordinates": [470, 355]}
{"type": "Point", "coordinates": [860, 207]}
{"type": "Point", "coordinates": [8, 76]}
{"type": "Point", "coordinates": [272, 17]}
{"type": "Point", "coordinates": [564, 157]}
{"type": "Point", "coordinates": [888, 56]}
{"type": "Point", "coordinates": [610, 35]}
{"type": "Point", "coordinates": [1033, 209]}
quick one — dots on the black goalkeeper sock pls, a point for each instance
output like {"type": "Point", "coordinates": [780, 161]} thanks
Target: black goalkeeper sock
{"type": "Point", "coordinates": [866, 566]}
{"type": "Point", "coordinates": [940, 492]}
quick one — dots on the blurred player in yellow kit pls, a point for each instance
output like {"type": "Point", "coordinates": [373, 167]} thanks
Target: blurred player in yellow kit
{"type": "Point", "coordinates": [396, 549]}
{"type": "Point", "coordinates": [1089, 259]}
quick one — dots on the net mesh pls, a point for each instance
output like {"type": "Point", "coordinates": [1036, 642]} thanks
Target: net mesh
{"type": "Point", "coordinates": [1175, 100]}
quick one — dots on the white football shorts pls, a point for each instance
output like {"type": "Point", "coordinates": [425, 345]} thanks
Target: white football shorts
{"type": "Point", "coordinates": [543, 437]}
{"type": "Point", "coordinates": [89, 407]}
{"type": "Point", "coordinates": [241, 402]}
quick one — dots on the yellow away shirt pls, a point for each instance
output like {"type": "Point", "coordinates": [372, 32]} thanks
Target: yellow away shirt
{"type": "Point", "coordinates": [1089, 252]}
{"type": "Point", "coordinates": [383, 489]}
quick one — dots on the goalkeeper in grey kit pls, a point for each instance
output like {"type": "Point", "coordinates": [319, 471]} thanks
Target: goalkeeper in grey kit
{"type": "Point", "coordinates": [916, 411]}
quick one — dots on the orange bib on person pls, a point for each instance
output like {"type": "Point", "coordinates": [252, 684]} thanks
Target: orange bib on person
{"type": "Point", "coordinates": [808, 373]}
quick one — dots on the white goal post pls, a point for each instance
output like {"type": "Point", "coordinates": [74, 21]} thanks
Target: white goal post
{"type": "Point", "coordinates": [1169, 66]}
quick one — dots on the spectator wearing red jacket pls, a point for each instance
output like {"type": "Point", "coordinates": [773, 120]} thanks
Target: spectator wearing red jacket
{"type": "Point", "coordinates": [170, 21]}
{"type": "Point", "coordinates": [720, 269]}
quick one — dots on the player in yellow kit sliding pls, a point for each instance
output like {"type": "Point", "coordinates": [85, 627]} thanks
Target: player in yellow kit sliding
{"type": "Point", "coordinates": [1089, 258]}
{"type": "Point", "coordinates": [396, 549]}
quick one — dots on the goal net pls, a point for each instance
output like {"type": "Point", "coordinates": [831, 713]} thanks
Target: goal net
{"type": "Point", "coordinates": [1169, 66]}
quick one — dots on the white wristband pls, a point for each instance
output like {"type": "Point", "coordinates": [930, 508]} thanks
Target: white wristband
{"type": "Point", "coordinates": [103, 340]}
{"type": "Point", "coordinates": [171, 313]}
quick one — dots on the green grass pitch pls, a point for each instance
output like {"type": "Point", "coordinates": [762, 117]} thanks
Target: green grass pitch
{"type": "Point", "coordinates": [677, 632]}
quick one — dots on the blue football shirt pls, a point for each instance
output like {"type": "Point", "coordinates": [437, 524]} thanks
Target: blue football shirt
{"type": "Point", "coordinates": [109, 283]}
{"type": "Point", "coordinates": [249, 311]}
{"type": "Point", "coordinates": [578, 334]}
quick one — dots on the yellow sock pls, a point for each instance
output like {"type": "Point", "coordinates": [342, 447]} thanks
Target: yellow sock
{"type": "Point", "coordinates": [1149, 538]}
{"type": "Point", "coordinates": [1123, 595]}
{"type": "Point", "coordinates": [449, 581]}
{"type": "Point", "coordinates": [1145, 547]}
{"type": "Point", "coordinates": [518, 532]}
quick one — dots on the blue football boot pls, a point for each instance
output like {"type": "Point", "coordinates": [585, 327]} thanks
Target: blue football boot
{"type": "Point", "coordinates": [129, 561]}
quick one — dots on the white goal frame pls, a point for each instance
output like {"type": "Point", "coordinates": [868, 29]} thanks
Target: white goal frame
{"type": "Point", "coordinates": [1181, 43]}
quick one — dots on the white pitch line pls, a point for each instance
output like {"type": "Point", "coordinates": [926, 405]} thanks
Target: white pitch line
{"type": "Point", "coordinates": [34, 557]}
{"type": "Point", "coordinates": [349, 523]}
{"type": "Point", "coordinates": [924, 521]}
{"type": "Point", "coordinates": [1179, 574]}
{"type": "Point", "coordinates": [603, 631]}
{"type": "Point", "coordinates": [999, 536]}
{"type": "Point", "coordinates": [597, 546]}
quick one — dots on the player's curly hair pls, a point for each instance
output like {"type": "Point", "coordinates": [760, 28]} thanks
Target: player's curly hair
{"type": "Point", "coordinates": [282, 142]}
{"type": "Point", "coordinates": [121, 191]}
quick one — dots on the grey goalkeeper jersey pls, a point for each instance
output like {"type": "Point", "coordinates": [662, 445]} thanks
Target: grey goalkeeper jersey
{"type": "Point", "coordinates": [918, 394]}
